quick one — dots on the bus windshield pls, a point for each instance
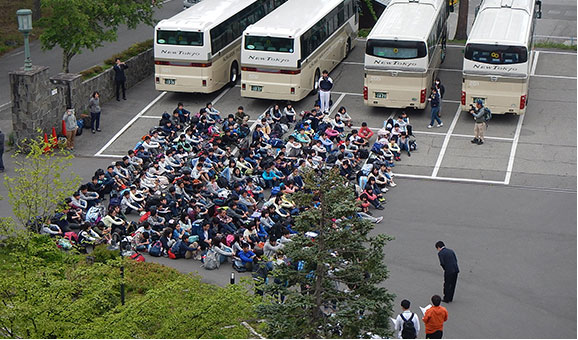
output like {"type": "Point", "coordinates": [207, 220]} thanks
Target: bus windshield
{"type": "Point", "coordinates": [180, 38]}
{"type": "Point", "coordinates": [392, 49]}
{"type": "Point", "coordinates": [259, 43]}
{"type": "Point", "coordinates": [495, 54]}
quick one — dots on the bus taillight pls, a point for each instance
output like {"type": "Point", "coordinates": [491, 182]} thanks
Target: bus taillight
{"type": "Point", "coordinates": [422, 96]}
{"type": "Point", "coordinates": [243, 86]}
{"type": "Point", "coordinates": [204, 82]}
{"type": "Point", "coordinates": [522, 102]}
{"type": "Point", "coordinates": [292, 90]}
{"type": "Point", "coordinates": [250, 69]}
{"type": "Point", "coordinates": [365, 92]}
{"type": "Point", "coordinates": [290, 71]}
{"type": "Point", "coordinates": [463, 99]}
{"type": "Point", "coordinates": [159, 62]}
{"type": "Point", "coordinates": [201, 64]}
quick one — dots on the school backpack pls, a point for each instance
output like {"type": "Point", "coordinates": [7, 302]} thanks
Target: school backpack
{"type": "Point", "coordinates": [408, 328]}
{"type": "Point", "coordinates": [276, 143]}
{"type": "Point", "coordinates": [211, 260]}
{"type": "Point", "coordinates": [156, 249]}
{"type": "Point", "coordinates": [137, 257]}
{"type": "Point", "coordinates": [229, 240]}
{"type": "Point", "coordinates": [487, 114]}
{"type": "Point", "coordinates": [412, 145]}
{"type": "Point", "coordinates": [275, 191]}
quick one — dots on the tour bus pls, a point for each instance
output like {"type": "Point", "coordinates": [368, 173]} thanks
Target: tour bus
{"type": "Point", "coordinates": [198, 50]}
{"type": "Point", "coordinates": [403, 53]}
{"type": "Point", "coordinates": [498, 55]}
{"type": "Point", "coordinates": [283, 55]}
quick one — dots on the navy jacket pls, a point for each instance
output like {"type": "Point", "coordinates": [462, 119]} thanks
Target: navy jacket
{"type": "Point", "coordinates": [119, 72]}
{"type": "Point", "coordinates": [448, 261]}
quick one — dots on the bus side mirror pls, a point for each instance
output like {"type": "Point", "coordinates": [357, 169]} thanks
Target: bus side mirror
{"type": "Point", "coordinates": [539, 9]}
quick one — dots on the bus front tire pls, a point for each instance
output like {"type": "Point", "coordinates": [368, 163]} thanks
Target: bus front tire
{"type": "Point", "coordinates": [233, 74]}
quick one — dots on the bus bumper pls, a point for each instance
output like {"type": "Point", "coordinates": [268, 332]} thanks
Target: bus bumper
{"type": "Point", "coordinates": [282, 88]}
{"type": "Point", "coordinates": [502, 95]}
{"type": "Point", "coordinates": [189, 83]}
{"type": "Point", "coordinates": [395, 99]}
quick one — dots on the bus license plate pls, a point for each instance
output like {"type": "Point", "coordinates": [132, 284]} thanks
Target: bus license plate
{"type": "Point", "coordinates": [256, 88]}
{"type": "Point", "coordinates": [170, 81]}
{"type": "Point", "coordinates": [381, 95]}
{"type": "Point", "coordinates": [482, 99]}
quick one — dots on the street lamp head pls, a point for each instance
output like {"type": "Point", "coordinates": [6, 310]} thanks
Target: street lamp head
{"type": "Point", "coordinates": [24, 20]}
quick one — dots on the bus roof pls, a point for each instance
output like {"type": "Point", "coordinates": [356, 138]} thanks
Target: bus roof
{"type": "Point", "coordinates": [204, 15]}
{"type": "Point", "coordinates": [406, 20]}
{"type": "Point", "coordinates": [503, 22]}
{"type": "Point", "coordinates": [292, 18]}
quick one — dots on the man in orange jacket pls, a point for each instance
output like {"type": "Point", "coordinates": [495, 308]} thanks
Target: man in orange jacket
{"type": "Point", "coordinates": [434, 319]}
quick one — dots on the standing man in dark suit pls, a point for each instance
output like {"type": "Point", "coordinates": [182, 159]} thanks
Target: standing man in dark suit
{"type": "Point", "coordinates": [120, 78]}
{"type": "Point", "coordinates": [449, 263]}
{"type": "Point", "coordinates": [1, 151]}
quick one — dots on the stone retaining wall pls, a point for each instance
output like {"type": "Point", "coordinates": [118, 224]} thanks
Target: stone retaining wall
{"type": "Point", "coordinates": [39, 102]}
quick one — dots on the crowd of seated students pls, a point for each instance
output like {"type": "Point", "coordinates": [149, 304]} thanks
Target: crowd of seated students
{"type": "Point", "coordinates": [205, 181]}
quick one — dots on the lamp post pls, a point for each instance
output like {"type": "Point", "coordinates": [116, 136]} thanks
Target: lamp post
{"type": "Point", "coordinates": [25, 27]}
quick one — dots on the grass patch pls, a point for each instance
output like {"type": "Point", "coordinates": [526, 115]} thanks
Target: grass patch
{"type": "Point", "coordinates": [130, 52]}
{"type": "Point", "coordinates": [363, 32]}
{"type": "Point", "coordinates": [554, 45]}
{"type": "Point", "coordinates": [457, 42]}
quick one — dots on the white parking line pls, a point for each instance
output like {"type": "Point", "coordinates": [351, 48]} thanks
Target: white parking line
{"type": "Point", "coordinates": [127, 125]}
{"type": "Point", "coordinates": [446, 142]}
{"type": "Point", "coordinates": [553, 77]}
{"type": "Point", "coordinates": [450, 179]}
{"type": "Point", "coordinates": [109, 156]}
{"type": "Point", "coordinates": [460, 135]}
{"type": "Point", "coordinates": [151, 117]}
{"type": "Point", "coordinates": [513, 150]}
{"type": "Point", "coordinates": [535, 62]}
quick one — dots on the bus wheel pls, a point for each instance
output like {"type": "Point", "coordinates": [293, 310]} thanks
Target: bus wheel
{"type": "Point", "coordinates": [233, 73]}
{"type": "Point", "coordinates": [347, 47]}
{"type": "Point", "coordinates": [316, 82]}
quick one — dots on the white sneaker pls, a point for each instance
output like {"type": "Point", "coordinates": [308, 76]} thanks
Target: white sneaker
{"type": "Point", "coordinates": [429, 126]}
{"type": "Point", "coordinates": [379, 219]}
{"type": "Point", "coordinates": [441, 124]}
{"type": "Point", "coordinates": [393, 185]}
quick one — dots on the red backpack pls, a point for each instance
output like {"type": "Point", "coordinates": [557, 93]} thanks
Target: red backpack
{"type": "Point", "coordinates": [137, 257]}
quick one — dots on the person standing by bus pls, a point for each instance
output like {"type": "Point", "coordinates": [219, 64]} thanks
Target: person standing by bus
{"type": "Point", "coordinates": [435, 100]}
{"type": "Point", "coordinates": [325, 85]}
{"type": "Point", "coordinates": [441, 90]}
{"type": "Point", "coordinates": [120, 78]}
{"type": "Point", "coordinates": [94, 108]}
{"type": "Point", "coordinates": [479, 114]}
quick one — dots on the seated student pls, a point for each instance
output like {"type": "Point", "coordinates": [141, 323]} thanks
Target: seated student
{"type": "Point", "coordinates": [344, 116]}
{"type": "Point", "coordinates": [395, 149]}
{"type": "Point", "coordinates": [403, 143]}
{"type": "Point", "coordinates": [206, 236]}
{"type": "Point", "coordinates": [247, 257]}
{"type": "Point", "coordinates": [355, 139]}
{"type": "Point", "coordinates": [240, 116]}
{"type": "Point", "coordinates": [254, 190]}
{"type": "Point", "coordinates": [87, 236]}
{"type": "Point", "coordinates": [247, 200]}
{"type": "Point", "coordinates": [166, 240]}
{"type": "Point", "coordinates": [225, 252]}
{"type": "Point", "coordinates": [225, 222]}
{"type": "Point", "coordinates": [250, 234]}
{"type": "Point", "coordinates": [365, 133]}
{"type": "Point", "coordinates": [213, 113]}
{"type": "Point", "coordinates": [90, 197]}
{"type": "Point", "coordinates": [289, 113]}
{"type": "Point", "coordinates": [302, 137]}
{"type": "Point", "coordinates": [184, 249]}
{"type": "Point", "coordinates": [78, 202]}
{"type": "Point", "coordinates": [184, 115]}
{"type": "Point", "coordinates": [271, 248]}
{"type": "Point", "coordinates": [385, 171]}
{"type": "Point", "coordinates": [293, 147]}
{"type": "Point", "coordinates": [114, 221]}
{"type": "Point", "coordinates": [373, 198]}
{"type": "Point", "coordinates": [319, 149]}
{"type": "Point", "coordinates": [142, 241]}
{"type": "Point", "coordinates": [127, 205]}
{"type": "Point", "coordinates": [271, 177]}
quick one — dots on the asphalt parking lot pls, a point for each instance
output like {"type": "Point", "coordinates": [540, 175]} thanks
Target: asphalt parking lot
{"type": "Point", "coordinates": [508, 208]}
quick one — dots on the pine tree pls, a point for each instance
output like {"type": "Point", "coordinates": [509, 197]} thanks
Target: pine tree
{"type": "Point", "coordinates": [332, 285]}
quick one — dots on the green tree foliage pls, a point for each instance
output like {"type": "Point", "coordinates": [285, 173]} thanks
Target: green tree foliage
{"type": "Point", "coordinates": [85, 24]}
{"type": "Point", "coordinates": [42, 181]}
{"type": "Point", "coordinates": [60, 295]}
{"type": "Point", "coordinates": [337, 292]}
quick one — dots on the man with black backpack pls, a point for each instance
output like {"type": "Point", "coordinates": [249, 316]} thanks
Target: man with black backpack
{"type": "Point", "coordinates": [407, 323]}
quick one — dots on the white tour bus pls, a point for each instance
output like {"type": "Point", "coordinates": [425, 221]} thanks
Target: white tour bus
{"type": "Point", "coordinates": [198, 50]}
{"type": "Point", "coordinates": [403, 53]}
{"type": "Point", "coordinates": [283, 55]}
{"type": "Point", "coordinates": [498, 55]}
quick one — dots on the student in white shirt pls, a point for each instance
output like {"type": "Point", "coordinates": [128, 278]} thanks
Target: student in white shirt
{"type": "Point", "coordinates": [407, 315]}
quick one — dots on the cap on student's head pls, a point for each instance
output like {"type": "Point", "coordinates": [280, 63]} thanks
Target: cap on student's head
{"type": "Point", "coordinates": [479, 101]}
